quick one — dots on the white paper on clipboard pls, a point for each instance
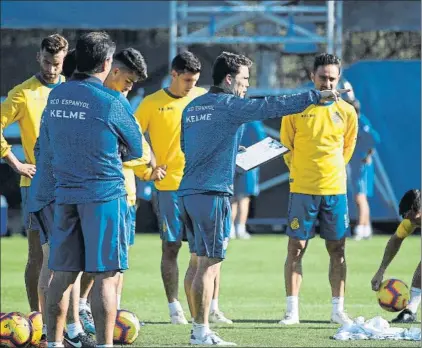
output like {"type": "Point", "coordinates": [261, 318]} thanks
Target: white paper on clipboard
{"type": "Point", "coordinates": [259, 153]}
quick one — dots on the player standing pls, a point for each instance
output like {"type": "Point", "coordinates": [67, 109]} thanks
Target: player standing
{"type": "Point", "coordinates": [410, 210]}
{"type": "Point", "coordinates": [25, 104]}
{"type": "Point", "coordinates": [159, 114]}
{"type": "Point", "coordinates": [321, 140]}
{"type": "Point", "coordinates": [210, 142]}
{"type": "Point", "coordinates": [84, 125]}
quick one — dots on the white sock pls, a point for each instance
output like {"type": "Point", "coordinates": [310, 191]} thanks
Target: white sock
{"type": "Point", "coordinates": [240, 229]}
{"type": "Point", "coordinates": [338, 304]}
{"type": "Point", "coordinates": [83, 305]}
{"type": "Point", "coordinates": [175, 307]}
{"type": "Point", "coordinates": [55, 344]}
{"type": "Point", "coordinates": [415, 300]}
{"type": "Point", "coordinates": [214, 305]}
{"type": "Point", "coordinates": [367, 230]}
{"type": "Point", "coordinates": [74, 329]}
{"type": "Point", "coordinates": [200, 330]}
{"type": "Point", "coordinates": [359, 230]}
{"type": "Point", "coordinates": [44, 329]}
{"type": "Point", "coordinates": [119, 297]}
{"type": "Point", "coordinates": [293, 305]}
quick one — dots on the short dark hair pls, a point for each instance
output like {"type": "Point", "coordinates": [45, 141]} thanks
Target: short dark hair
{"type": "Point", "coordinates": [134, 61]}
{"type": "Point", "coordinates": [228, 64]}
{"type": "Point", "coordinates": [186, 62]}
{"type": "Point", "coordinates": [69, 63]}
{"type": "Point", "coordinates": [92, 50]}
{"type": "Point", "coordinates": [410, 201]}
{"type": "Point", "coordinates": [326, 59]}
{"type": "Point", "coordinates": [54, 44]}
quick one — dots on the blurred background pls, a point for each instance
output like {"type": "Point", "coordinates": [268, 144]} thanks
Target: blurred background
{"type": "Point", "coordinates": [378, 41]}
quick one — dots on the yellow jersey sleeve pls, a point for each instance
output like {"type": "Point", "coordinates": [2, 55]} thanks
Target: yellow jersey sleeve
{"type": "Point", "coordinates": [12, 109]}
{"type": "Point", "coordinates": [287, 136]}
{"type": "Point", "coordinates": [405, 229]}
{"type": "Point", "coordinates": [350, 135]}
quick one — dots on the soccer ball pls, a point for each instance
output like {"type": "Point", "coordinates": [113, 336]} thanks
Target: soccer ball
{"type": "Point", "coordinates": [36, 322]}
{"type": "Point", "coordinates": [15, 330]}
{"type": "Point", "coordinates": [393, 295]}
{"type": "Point", "coordinates": [127, 327]}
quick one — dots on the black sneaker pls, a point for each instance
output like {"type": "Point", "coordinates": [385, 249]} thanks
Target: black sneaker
{"type": "Point", "coordinates": [82, 340]}
{"type": "Point", "coordinates": [405, 316]}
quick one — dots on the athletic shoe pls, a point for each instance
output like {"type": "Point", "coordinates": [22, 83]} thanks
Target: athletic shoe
{"type": "Point", "coordinates": [81, 340]}
{"type": "Point", "coordinates": [87, 321]}
{"type": "Point", "coordinates": [217, 317]}
{"type": "Point", "coordinates": [341, 318]}
{"type": "Point", "coordinates": [178, 318]}
{"type": "Point", "coordinates": [405, 316]}
{"type": "Point", "coordinates": [289, 319]}
{"type": "Point", "coordinates": [43, 341]}
{"type": "Point", "coordinates": [244, 235]}
{"type": "Point", "coordinates": [210, 339]}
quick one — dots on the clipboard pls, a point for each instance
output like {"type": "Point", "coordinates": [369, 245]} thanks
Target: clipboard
{"type": "Point", "coordinates": [258, 154]}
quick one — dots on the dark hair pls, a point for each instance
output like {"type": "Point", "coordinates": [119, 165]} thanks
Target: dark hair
{"type": "Point", "coordinates": [410, 201]}
{"type": "Point", "coordinates": [92, 50]}
{"type": "Point", "coordinates": [228, 64]}
{"type": "Point", "coordinates": [134, 61]}
{"type": "Point", "coordinates": [54, 44]}
{"type": "Point", "coordinates": [326, 59]}
{"type": "Point", "coordinates": [69, 64]}
{"type": "Point", "coordinates": [186, 62]}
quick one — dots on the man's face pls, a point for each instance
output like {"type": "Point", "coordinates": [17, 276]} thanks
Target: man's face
{"type": "Point", "coordinates": [240, 82]}
{"type": "Point", "coordinates": [183, 83]}
{"type": "Point", "coordinates": [121, 80]}
{"type": "Point", "coordinates": [51, 65]}
{"type": "Point", "coordinates": [326, 77]}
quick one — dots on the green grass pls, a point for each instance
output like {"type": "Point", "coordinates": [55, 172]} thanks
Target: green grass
{"type": "Point", "coordinates": [252, 290]}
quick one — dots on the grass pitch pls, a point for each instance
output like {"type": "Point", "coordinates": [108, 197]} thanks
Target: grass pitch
{"type": "Point", "coordinates": [252, 290]}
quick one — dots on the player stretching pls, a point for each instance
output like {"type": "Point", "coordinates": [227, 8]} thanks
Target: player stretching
{"type": "Point", "coordinates": [410, 210]}
{"type": "Point", "coordinates": [159, 114]}
{"type": "Point", "coordinates": [210, 142]}
{"type": "Point", "coordinates": [25, 104]}
{"type": "Point", "coordinates": [89, 122]}
{"type": "Point", "coordinates": [321, 140]}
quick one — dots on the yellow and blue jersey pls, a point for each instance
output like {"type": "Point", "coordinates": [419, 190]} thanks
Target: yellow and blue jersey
{"type": "Point", "coordinates": [160, 114]}
{"type": "Point", "coordinates": [25, 104]}
{"type": "Point", "coordinates": [321, 140]}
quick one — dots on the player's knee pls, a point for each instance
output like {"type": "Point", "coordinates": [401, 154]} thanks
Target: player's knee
{"type": "Point", "coordinates": [171, 249]}
{"type": "Point", "coordinates": [296, 248]}
{"type": "Point", "coordinates": [336, 249]}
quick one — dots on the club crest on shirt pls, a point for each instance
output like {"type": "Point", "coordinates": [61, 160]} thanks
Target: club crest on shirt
{"type": "Point", "coordinates": [164, 227]}
{"type": "Point", "coordinates": [294, 224]}
{"type": "Point", "coordinates": [336, 117]}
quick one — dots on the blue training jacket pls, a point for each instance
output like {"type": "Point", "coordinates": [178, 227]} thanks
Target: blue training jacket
{"type": "Point", "coordinates": [209, 137]}
{"type": "Point", "coordinates": [85, 123]}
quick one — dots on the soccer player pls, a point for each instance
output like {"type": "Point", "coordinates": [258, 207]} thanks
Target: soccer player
{"type": "Point", "coordinates": [246, 184]}
{"type": "Point", "coordinates": [159, 114]}
{"type": "Point", "coordinates": [410, 210]}
{"type": "Point", "coordinates": [83, 124]}
{"type": "Point", "coordinates": [210, 142]}
{"type": "Point", "coordinates": [362, 172]}
{"type": "Point", "coordinates": [25, 104]}
{"type": "Point", "coordinates": [321, 140]}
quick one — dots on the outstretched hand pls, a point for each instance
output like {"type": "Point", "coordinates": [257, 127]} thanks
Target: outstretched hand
{"type": "Point", "coordinates": [330, 95]}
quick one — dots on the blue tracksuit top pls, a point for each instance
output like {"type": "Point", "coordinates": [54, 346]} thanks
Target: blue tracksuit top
{"type": "Point", "coordinates": [85, 124]}
{"type": "Point", "coordinates": [209, 138]}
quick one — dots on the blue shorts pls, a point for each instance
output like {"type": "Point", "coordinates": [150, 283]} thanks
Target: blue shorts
{"type": "Point", "coordinates": [365, 181]}
{"type": "Point", "coordinates": [208, 221]}
{"type": "Point", "coordinates": [246, 184]}
{"type": "Point", "coordinates": [131, 224]}
{"type": "Point", "coordinates": [167, 209]}
{"type": "Point", "coordinates": [331, 211]}
{"type": "Point", "coordinates": [45, 219]}
{"type": "Point", "coordinates": [28, 218]}
{"type": "Point", "coordinates": [90, 237]}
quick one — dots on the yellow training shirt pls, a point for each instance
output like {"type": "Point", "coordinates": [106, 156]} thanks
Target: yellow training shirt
{"type": "Point", "coordinates": [160, 115]}
{"type": "Point", "coordinates": [25, 104]}
{"type": "Point", "coordinates": [406, 228]}
{"type": "Point", "coordinates": [139, 167]}
{"type": "Point", "coordinates": [321, 140]}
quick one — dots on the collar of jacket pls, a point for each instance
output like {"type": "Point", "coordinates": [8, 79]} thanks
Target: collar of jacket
{"type": "Point", "coordinates": [86, 77]}
{"type": "Point", "coordinates": [217, 90]}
